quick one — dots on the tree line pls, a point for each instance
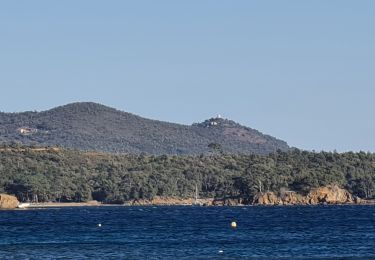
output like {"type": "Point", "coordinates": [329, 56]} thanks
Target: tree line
{"type": "Point", "coordinates": [70, 175]}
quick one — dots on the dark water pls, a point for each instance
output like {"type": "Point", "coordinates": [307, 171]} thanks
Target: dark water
{"type": "Point", "coordinates": [189, 233]}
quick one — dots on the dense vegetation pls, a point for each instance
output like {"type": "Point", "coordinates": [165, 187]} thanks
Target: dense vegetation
{"type": "Point", "coordinates": [67, 175]}
{"type": "Point", "coordinates": [90, 126]}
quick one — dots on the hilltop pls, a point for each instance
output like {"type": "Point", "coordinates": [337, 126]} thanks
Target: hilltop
{"type": "Point", "coordinates": [91, 126]}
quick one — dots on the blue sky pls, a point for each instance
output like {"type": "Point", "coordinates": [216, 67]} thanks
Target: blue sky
{"type": "Point", "coordinates": [303, 71]}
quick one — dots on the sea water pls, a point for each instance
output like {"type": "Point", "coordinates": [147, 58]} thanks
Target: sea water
{"type": "Point", "coordinates": [184, 232]}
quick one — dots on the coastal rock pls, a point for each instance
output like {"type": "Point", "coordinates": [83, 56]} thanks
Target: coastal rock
{"type": "Point", "coordinates": [332, 194]}
{"type": "Point", "coordinates": [267, 198]}
{"type": "Point", "coordinates": [292, 198]}
{"type": "Point", "coordinates": [228, 202]}
{"type": "Point", "coordinates": [329, 195]}
{"type": "Point", "coordinates": [287, 198]}
{"type": "Point", "coordinates": [8, 202]}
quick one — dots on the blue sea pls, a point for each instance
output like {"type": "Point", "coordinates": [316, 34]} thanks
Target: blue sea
{"type": "Point", "coordinates": [183, 232]}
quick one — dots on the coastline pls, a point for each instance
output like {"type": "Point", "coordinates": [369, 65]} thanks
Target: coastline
{"type": "Point", "coordinates": [181, 203]}
{"type": "Point", "coordinates": [329, 195]}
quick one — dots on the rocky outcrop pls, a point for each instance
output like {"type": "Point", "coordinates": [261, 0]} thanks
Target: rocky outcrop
{"type": "Point", "coordinates": [8, 202]}
{"type": "Point", "coordinates": [324, 195]}
{"type": "Point", "coordinates": [287, 198]}
{"type": "Point", "coordinates": [329, 195]}
{"type": "Point", "coordinates": [228, 202]}
{"type": "Point", "coordinates": [292, 198]}
{"type": "Point", "coordinates": [267, 198]}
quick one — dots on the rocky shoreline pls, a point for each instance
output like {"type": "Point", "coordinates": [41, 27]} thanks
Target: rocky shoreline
{"type": "Point", "coordinates": [322, 195]}
{"type": "Point", "coordinates": [329, 195]}
{"type": "Point", "coordinates": [8, 202]}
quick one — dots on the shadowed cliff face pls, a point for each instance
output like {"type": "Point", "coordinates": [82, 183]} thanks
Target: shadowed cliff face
{"type": "Point", "coordinates": [91, 126]}
{"type": "Point", "coordinates": [8, 202]}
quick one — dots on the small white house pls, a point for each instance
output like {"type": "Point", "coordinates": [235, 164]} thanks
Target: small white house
{"type": "Point", "coordinates": [27, 130]}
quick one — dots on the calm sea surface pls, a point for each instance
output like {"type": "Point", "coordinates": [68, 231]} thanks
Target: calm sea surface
{"type": "Point", "coordinates": [189, 233]}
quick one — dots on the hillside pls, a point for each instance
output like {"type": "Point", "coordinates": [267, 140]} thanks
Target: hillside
{"type": "Point", "coordinates": [281, 178]}
{"type": "Point", "coordinates": [91, 126]}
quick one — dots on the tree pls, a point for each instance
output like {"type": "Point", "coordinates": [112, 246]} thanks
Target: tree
{"type": "Point", "coordinates": [215, 148]}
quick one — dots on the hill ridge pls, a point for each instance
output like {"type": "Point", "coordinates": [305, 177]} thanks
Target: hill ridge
{"type": "Point", "coordinates": [93, 126]}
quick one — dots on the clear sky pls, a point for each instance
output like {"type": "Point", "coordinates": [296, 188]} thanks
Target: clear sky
{"type": "Point", "coordinates": [303, 71]}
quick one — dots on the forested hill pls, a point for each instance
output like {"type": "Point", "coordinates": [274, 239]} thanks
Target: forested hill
{"type": "Point", "coordinates": [91, 126]}
{"type": "Point", "coordinates": [52, 174]}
